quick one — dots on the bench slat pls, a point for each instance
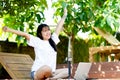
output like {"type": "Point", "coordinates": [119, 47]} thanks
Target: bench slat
{"type": "Point", "coordinates": [18, 66]}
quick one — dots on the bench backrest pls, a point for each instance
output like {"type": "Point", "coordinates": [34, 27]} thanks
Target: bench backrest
{"type": "Point", "coordinates": [18, 66]}
{"type": "Point", "coordinates": [106, 35]}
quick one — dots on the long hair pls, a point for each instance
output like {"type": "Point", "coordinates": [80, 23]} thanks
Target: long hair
{"type": "Point", "coordinates": [39, 34]}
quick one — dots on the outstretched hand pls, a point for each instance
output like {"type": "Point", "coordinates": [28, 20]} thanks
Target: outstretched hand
{"type": "Point", "coordinates": [5, 28]}
{"type": "Point", "coordinates": [65, 11]}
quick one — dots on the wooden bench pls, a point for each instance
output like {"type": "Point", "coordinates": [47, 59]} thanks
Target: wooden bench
{"type": "Point", "coordinates": [114, 48]}
{"type": "Point", "coordinates": [18, 66]}
{"type": "Point", "coordinates": [98, 71]}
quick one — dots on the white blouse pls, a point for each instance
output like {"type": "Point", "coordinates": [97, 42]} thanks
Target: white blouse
{"type": "Point", "coordinates": [44, 52]}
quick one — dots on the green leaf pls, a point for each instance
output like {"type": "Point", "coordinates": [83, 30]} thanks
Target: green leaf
{"type": "Point", "coordinates": [29, 17]}
{"type": "Point", "coordinates": [64, 5]}
{"type": "Point", "coordinates": [44, 2]}
{"type": "Point", "coordinates": [38, 18]}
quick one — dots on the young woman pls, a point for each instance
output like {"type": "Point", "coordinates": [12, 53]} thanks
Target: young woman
{"type": "Point", "coordinates": [44, 46]}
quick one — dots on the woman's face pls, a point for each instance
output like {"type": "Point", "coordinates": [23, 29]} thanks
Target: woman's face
{"type": "Point", "coordinates": [46, 34]}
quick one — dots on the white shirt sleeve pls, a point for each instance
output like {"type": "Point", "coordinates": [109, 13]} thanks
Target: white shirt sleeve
{"type": "Point", "coordinates": [33, 41]}
{"type": "Point", "coordinates": [55, 38]}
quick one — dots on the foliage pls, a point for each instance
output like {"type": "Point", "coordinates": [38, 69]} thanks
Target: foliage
{"type": "Point", "coordinates": [79, 16]}
{"type": "Point", "coordinates": [108, 15]}
{"type": "Point", "coordinates": [22, 15]}
{"type": "Point", "coordinates": [16, 7]}
{"type": "Point", "coordinates": [96, 40]}
{"type": "Point", "coordinates": [81, 50]}
{"type": "Point", "coordinates": [85, 14]}
{"type": "Point", "coordinates": [62, 49]}
{"type": "Point", "coordinates": [82, 14]}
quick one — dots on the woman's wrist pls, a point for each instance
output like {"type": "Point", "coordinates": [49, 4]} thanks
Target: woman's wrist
{"type": "Point", "coordinates": [64, 16]}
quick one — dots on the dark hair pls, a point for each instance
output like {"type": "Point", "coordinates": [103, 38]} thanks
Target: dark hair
{"type": "Point", "coordinates": [39, 29]}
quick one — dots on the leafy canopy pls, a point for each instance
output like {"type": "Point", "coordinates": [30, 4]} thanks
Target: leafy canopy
{"type": "Point", "coordinates": [22, 15]}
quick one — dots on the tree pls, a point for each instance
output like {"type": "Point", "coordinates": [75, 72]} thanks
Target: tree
{"type": "Point", "coordinates": [85, 14]}
{"type": "Point", "coordinates": [22, 15]}
{"type": "Point", "coordinates": [79, 17]}
{"type": "Point", "coordinates": [108, 15]}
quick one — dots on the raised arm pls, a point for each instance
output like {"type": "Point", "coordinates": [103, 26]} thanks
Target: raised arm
{"type": "Point", "coordinates": [61, 22]}
{"type": "Point", "coordinates": [6, 29]}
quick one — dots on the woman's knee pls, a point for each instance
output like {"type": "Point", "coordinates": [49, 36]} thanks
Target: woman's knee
{"type": "Point", "coordinates": [43, 72]}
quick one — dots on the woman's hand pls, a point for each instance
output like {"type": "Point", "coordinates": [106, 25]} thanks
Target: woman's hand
{"type": "Point", "coordinates": [5, 28]}
{"type": "Point", "coordinates": [65, 11]}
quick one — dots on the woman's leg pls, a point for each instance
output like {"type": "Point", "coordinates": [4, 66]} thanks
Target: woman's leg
{"type": "Point", "coordinates": [43, 73]}
{"type": "Point", "coordinates": [61, 73]}
{"type": "Point", "coordinates": [32, 75]}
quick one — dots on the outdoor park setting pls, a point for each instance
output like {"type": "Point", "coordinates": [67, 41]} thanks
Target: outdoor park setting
{"type": "Point", "coordinates": [88, 32]}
